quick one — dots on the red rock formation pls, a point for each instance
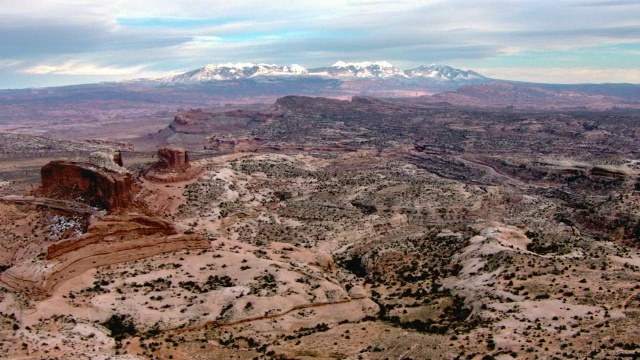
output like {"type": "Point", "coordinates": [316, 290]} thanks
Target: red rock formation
{"type": "Point", "coordinates": [123, 227]}
{"type": "Point", "coordinates": [607, 173]}
{"type": "Point", "coordinates": [111, 239]}
{"type": "Point", "coordinates": [173, 166]}
{"type": "Point", "coordinates": [174, 157]}
{"type": "Point", "coordinates": [96, 186]}
{"type": "Point", "coordinates": [191, 129]}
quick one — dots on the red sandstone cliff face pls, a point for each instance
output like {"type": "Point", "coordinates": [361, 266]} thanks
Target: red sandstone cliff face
{"type": "Point", "coordinates": [124, 228]}
{"type": "Point", "coordinates": [174, 157]}
{"type": "Point", "coordinates": [94, 185]}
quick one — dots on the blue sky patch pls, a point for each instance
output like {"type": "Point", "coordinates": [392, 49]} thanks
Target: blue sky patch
{"type": "Point", "coordinates": [180, 23]}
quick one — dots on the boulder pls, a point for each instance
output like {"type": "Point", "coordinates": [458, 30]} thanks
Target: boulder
{"type": "Point", "coordinates": [325, 261]}
{"type": "Point", "coordinates": [94, 185]}
{"type": "Point", "coordinates": [358, 292]}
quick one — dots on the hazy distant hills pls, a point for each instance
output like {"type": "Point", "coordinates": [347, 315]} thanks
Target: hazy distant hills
{"type": "Point", "coordinates": [230, 85]}
{"type": "Point", "coordinates": [542, 96]}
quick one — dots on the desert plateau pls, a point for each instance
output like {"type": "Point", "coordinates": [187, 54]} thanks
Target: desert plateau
{"type": "Point", "coordinates": [320, 228]}
{"type": "Point", "coordinates": [319, 180]}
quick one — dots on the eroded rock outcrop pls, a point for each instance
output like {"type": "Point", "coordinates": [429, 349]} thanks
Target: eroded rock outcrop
{"type": "Point", "coordinates": [199, 121]}
{"type": "Point", "coordinates": [98, 186]}
{"type": "Point", "coordinates": [124, 227]}
{"type": "Point", "coordinates": [109, 240]}
{"type": "Point", "coordinates": [174, 158]}
{"type": "Point", "coordinates": [173, 166]}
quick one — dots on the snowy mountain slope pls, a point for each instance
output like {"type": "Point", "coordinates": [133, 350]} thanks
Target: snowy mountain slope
{"type": "Point", "coordinates": [443, 72]}
{"type": "Point", "coordinates": [379, 69]}
{"type": "Point", "coordinates": [344, 71]}
{"type": "Point", "coordinates": [229, 71]}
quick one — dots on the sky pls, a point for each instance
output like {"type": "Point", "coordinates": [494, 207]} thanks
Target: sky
{"type": "Point", "coordinates": [62, 42]}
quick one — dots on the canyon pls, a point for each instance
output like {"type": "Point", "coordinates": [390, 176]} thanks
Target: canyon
{"type": "Point", "coordinates": [312, 227]}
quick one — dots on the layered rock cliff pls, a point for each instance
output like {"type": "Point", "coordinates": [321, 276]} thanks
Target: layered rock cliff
{"type": "Point", "coordinates": [97, 186]}
{"type": "Point", "coordinates": [109, 240]}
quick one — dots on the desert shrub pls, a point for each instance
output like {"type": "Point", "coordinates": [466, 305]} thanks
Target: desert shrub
{"type": "Point", "coordinates": [120, 326]}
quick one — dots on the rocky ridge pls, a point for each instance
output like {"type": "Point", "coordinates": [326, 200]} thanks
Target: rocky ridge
{"type": "Point", "coordinates": [108, 240]}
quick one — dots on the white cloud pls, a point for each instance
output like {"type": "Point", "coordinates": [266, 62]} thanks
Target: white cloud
{"type": "Point", "coordinates": [86, 69]}
{"type": "Point", "coordinates": [74, 68]}
{"type": "Point", "coordinates": [9, 63]}
{"type": "Point", "coordinates": [206, 39]}
{"type": "Point", "coordinates": [74, 36]}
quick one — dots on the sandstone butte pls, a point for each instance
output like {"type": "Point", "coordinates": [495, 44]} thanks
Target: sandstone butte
{"type": "Point", "coordinates": [174, 158]}
{"type": "Point", "coordinates": [174, 166]}
{"type": "Point", "coordinates": [98, 186]}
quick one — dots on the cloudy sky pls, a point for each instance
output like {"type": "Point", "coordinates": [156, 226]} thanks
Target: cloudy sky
{"type": "Point", "coordinates": [58, 42]}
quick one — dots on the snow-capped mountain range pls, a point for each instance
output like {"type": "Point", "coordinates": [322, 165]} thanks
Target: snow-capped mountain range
{"type": "Point", "coordinates": [339, 70]}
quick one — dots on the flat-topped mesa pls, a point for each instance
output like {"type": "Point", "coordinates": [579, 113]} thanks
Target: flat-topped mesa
{"type": "Point", "coordinates": [174, 158]}
{"type": "Point", "coordinates": [109, 188]}
{"type": "Point", "coordinates": [196, 121]}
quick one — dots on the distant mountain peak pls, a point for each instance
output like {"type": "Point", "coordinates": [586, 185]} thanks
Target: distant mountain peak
{"type": "Point", "coordinates": [232, 65]}
{"type": "Point", "coordinates": [295, 68]}
{"type": "Point", "coordinates": [363, 64]}
{"type": "Point", "coordinates": [235, 71]}
{"type": "Point", "coordinates": [365, 69]}
{"type": "Point", "coordinates": [444, 72]}
{"type": "Point", "coordinates": [339, 70]}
